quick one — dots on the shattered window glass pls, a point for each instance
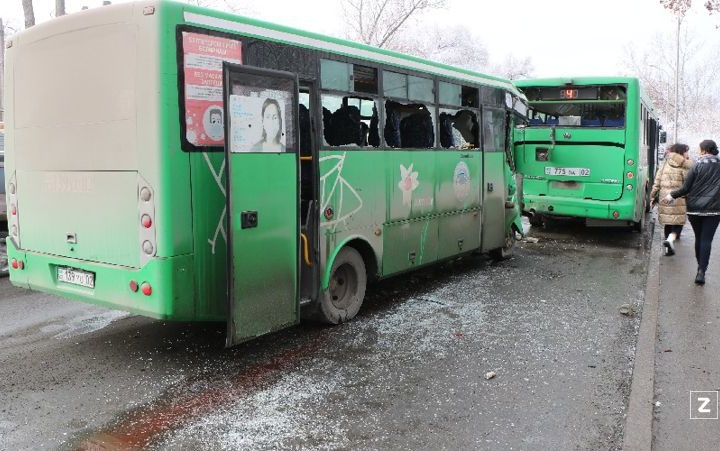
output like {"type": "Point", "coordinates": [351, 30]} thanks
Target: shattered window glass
{"type": "Point", "coordinates": [459, 129]}
{"type": "Point", "coordinates": [409, 125]}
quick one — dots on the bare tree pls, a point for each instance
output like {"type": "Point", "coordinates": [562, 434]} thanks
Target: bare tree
{"type": "Point", "coordinates": [513, 68]}
{"type": "Point", "coordinates": [699, 87]}
{"type": "Point", "coordinates": [455, 46]}
{"type": "Point", "coordinates": [682, 6]}
{"type": "Point", "coordinates": [376, 22]}
{"type": "Point", "coordinates": [59, 8]}
{"type": "Point", "coordinates": [29, 13]}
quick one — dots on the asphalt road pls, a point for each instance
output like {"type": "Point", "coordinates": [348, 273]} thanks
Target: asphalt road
{"type": "Point", "coordinates": [408, 373]}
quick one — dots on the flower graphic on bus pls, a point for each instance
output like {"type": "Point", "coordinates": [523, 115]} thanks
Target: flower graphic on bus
{"type": "Point", "coordinates": [408, 182]}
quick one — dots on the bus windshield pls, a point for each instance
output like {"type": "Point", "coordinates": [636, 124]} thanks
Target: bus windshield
{"type": "Point", "coordinates": [577, 106]}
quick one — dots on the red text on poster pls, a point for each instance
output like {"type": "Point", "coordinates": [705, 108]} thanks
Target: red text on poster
{"type": "Point", "coordinates": [203, 56]}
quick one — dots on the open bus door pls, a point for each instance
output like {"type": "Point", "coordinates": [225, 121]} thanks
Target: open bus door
{"type": "Point", "coordinates": [261, 141]}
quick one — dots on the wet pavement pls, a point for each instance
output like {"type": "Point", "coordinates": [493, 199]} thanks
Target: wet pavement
{"type": "Point", "coordinates": [408, 373]}
{"type": "Point", "coordinates": [687, 352]}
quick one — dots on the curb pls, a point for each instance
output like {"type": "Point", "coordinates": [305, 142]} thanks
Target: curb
{"type": "Point", "coordinates": [638, 432]}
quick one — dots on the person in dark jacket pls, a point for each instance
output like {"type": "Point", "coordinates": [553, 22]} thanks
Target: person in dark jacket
{"type": "Point", "coordinates": [702, 191]}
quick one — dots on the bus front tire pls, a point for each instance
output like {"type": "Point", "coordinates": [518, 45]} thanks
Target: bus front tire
{"type": "Point", "coordinates": [536, 220]}
{"type": "Point", "coordinates": [346, 290]}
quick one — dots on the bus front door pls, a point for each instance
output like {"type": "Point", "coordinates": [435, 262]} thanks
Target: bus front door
{"type": "Point", "coordinates": [261, 151]}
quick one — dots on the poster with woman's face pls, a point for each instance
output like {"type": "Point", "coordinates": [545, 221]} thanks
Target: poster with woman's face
{"type": "Point", "coordinates": [258, 121]}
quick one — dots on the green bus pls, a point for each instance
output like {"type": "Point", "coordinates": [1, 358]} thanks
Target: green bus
{"type": "Point", "coordinates": [588, 150]}
{"type": "Point", "coordinates": [188, 164]}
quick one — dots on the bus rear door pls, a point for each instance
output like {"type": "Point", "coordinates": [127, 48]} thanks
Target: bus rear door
{"type": "Point", "coordinates": [261, 141]}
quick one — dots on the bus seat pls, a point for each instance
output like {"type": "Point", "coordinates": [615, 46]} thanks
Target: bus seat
{"type": "Point", "coordinates": [590, 121]}
{"type": "Point", "coordinates": [446, 135]}
{"type": "Point", "coordinates": [392, 125]}
{"type": "Point", "coordinates": [536, 121]}
{"type": "Point", "coordinates": [552, 121]}
{"type": "Point", "coordinates": [616, 122]}
{"type": "Point", "coordinates": [374, 134]}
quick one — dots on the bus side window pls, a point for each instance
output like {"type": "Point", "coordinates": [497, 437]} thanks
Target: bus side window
{"type": "Point", "coordinates": [408, 125]}
{"type": "Point", "coordinates": [350, 121]}
{"type": "Point", "coordinates": [459, 129]}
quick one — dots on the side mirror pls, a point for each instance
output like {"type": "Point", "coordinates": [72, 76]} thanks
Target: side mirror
{"type": "Point", "coordinates": [663, 136]}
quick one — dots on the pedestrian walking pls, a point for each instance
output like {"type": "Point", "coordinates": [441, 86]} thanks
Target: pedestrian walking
{"type": "Point", "coordinates": [669, 177]}
{"type": "Point", "coordinates": [702, 191]}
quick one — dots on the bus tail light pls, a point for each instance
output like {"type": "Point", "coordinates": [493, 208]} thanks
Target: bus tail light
{"type": "Point", "coordinates": [616, 214]}
{"type": "Point", "coordinates": [146, 221]}
{"type": "Point", "coordinates": [17, 264]}
{"type": "Point", "coordinates": [629, 187]}
{"type": "Point", "coordinates": [630, 175]}
{"type": "Point", "coordinates": [134, 286]}
{"type": "Point", "coordinates": [630, 162]}
{"type": "Point", "coordinates": [146, 289]}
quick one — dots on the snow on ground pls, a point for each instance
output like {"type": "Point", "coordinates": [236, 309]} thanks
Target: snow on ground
{"type": "Point", "coordinates": [278, 415]}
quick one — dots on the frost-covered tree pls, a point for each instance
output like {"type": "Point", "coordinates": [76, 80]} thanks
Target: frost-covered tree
{"type": "Point", "coordinates": [29, 12]}
{"type": "Point", "coordinates": [699, 87]}
{"type": "Point", "coordinates": [378, 22]}
{"type": "Point", "coordinates": [455, 46]}
{"type": "Point", "coordinates": [513, 68]}
{"type": "Point", "coordinates": [59, 8]}
{"type": "Point", "coordinates": [682, 6]}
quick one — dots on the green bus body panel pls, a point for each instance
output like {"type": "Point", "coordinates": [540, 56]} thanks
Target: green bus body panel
{"type": "Point", "coordinates": [426, 207]}
{"type": "Point", "coordinates": [604, 151]}
{"type": "Point", "coordinates": [171, 298]}
{"type": "Point", "coordinates": [210, 233]}
{"type": "Point", "coordinates": [264, 258]}
{"type": "Point", "coordinates": [495, 194]}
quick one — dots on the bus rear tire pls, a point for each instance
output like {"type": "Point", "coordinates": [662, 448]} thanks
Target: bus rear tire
{"type": "Point", "coordinates": [505, 252]}
{"type": "Point", "coordinates": [346, 290]}
{"type": "Point", "coordinates": [640, 225]}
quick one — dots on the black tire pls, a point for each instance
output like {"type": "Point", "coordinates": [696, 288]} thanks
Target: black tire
{"type": "Point", "coordinates": [640, 225]}
{"type": "Point", "coordinates": [346, 291]}
{"type": "Point", "coordinates": [536, 220]}
{"type": "Point", "coordinates": [4, 265]}
{"type": "Point", "coordinates": [505, 252]}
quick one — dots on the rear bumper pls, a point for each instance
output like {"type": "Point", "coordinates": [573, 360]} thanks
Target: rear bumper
{"type": "Point", "coordinates": [581, 208]}
{"type": "Point", "coordinates": [171, 280]}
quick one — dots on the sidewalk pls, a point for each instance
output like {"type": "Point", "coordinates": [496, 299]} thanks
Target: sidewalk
{"type": "Point", "coordinates": [678, 352]}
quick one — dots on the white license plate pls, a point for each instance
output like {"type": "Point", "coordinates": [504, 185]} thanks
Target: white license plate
{"type": "Point", "coordinates": [575, 172]}
{"type": "Point", "coordinates": [76, 277]}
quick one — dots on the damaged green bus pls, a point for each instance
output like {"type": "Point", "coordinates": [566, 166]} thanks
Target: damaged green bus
{"type": "Point", "coordinates": [189, 164]}
{"type": "Point", "coordinates": [588, 150]}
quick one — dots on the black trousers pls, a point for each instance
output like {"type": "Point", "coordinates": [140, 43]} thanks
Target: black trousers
{"type": "Point", "coordinates": [704, 228]}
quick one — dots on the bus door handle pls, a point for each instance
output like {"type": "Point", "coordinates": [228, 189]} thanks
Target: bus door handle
{"type": "Point", "coordinates": [466, 155]}
{"type": "Point", "coordinates": [248, 219]}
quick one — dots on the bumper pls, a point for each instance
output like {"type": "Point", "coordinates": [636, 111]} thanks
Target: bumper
{"type": "Point", "coordinates": [171, 280]}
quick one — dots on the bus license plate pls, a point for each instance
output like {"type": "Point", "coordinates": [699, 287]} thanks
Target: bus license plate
{"type": "Point", "coordinates": [575, 172]}
{"type": "Point", "coordinates": [76, 277]}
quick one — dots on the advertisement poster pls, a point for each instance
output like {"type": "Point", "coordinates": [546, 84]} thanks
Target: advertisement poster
{"type": "Point", "coordinates": [258, 121]}
{"type": "Point", "coordinates": [203, 56]}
